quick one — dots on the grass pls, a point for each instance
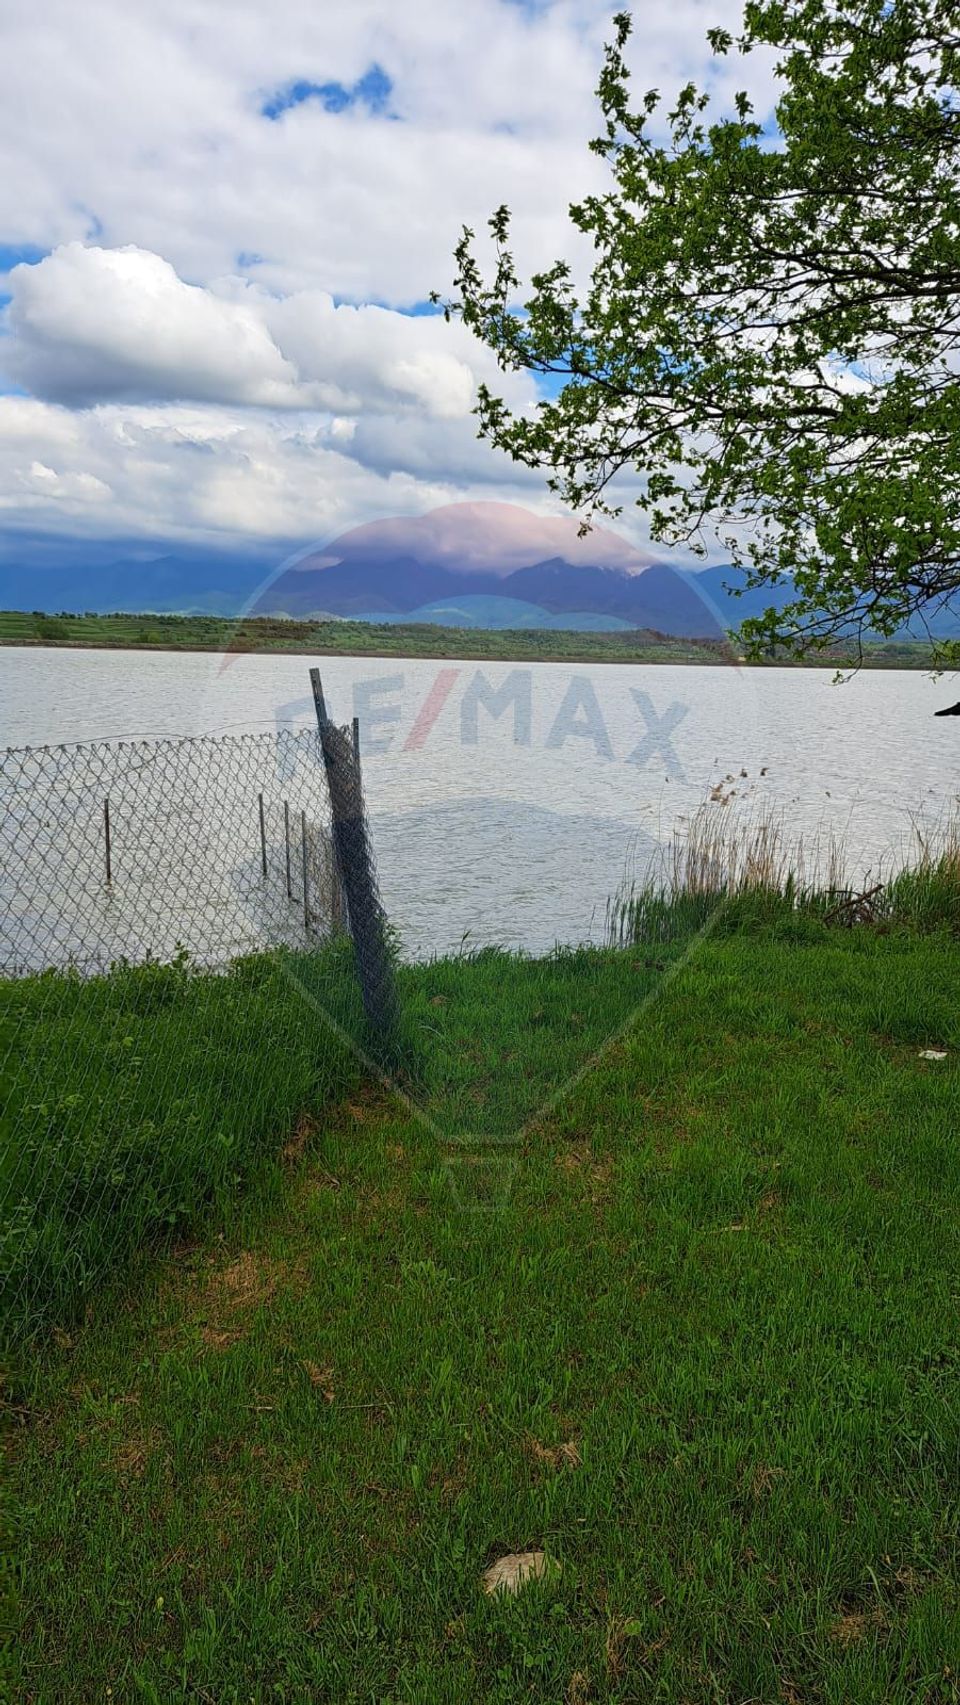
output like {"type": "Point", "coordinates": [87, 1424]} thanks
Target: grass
{"type": "Point", "coordinates": [703, 1350]}
{"type": "Point", "coordinates": [133, 1100]}
{"type": "Point", "coordinates": [414, 639]}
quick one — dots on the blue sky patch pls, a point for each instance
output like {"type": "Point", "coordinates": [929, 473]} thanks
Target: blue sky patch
{"type": "Point", "coordinates": [422, 310]}
{"type": "Point", "coordinates": [372, 90]}
{"type": "Point", "coordinates": [12, 254]}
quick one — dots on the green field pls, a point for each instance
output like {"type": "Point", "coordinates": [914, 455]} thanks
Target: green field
{"type": "Point", "coordinates": [365, 639]}
{"type": "Point", "coordinates": [687, 1321]}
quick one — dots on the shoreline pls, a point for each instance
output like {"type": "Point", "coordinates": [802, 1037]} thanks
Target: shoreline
{"type": "Point", "coordinates": [466, 654]}
{"type": "Point", "coordinates": [445, 655]}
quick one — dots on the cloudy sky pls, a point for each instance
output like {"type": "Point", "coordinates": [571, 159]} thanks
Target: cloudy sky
{"type": "Point", "coordinates": [220, 221]}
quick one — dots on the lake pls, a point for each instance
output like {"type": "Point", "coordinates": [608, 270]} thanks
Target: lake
{"type": "Point", "coordinates": [509, 801]}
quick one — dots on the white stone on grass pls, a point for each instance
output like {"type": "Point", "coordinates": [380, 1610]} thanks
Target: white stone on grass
{"type": "Point", "coordinates": [508, 1574]}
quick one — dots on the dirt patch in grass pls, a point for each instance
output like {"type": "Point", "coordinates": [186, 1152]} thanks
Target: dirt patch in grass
{"type": "Point", "coordinates": [579, 1161]}
{"type": "Point", "coordinates": [623, 1649]}
{"type": "Point", "coordinates": [855, 1625]}
{"type": "Point", "coordinates": [288, 1472]}
{"type": "Point", "coordinates": [615, 1648]}
{"type": "Point", "coordinates": [369, 1105]}
{"type": "Point", "coordinates": [450, 1479]}
{"type": "Point", "coordinates": [381, 1203]}
{"type": "Point", "coordinates": [293, 1149]}
{"type": "Point", "coordinates": [132, 1456]}
{"type": "Point", "coordinates": [763, 1479]}
{"type": "Point", "coordinates": [553, 1456]}
{"type": "Point", "coordinates": [244, 1283]}
{"type": "Point", "coordinates": [316, 1180]}
{"type": "Point", "coordinates": [578, 1688]}
{"type": "Point", "coordinates": [321, 1379]}
{"type": "Point", "coordinates": [222, 1299]}
{"type": "Point", "coordinates": [214, 1338]}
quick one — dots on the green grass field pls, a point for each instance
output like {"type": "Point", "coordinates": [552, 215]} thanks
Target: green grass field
{"type": "Point", "coordinates": [365, 639]}
{"type": "Point", "coordinates": [353, 639]}
{"type": "Point", "coordinates": [690, 1326]}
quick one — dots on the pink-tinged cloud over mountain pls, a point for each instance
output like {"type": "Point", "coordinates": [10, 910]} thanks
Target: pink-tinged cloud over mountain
{"type": "Point", "coordinates": [485, 538]}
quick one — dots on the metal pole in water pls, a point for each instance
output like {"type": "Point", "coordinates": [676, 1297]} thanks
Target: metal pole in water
{"type": "Point", "coordinates": [106, 837]}
{"type": "Point", "coordinates": [263, 838]}
{"type": "Point", "coordinates": [306, 896]}
{"type": "Point", "coordinates": [286, 837]}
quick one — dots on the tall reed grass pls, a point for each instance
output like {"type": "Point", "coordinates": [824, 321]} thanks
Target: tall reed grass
{"type": "Point", "coordinates": [924, 890]}
{"type": "Point", "coordinates": [735, 872]}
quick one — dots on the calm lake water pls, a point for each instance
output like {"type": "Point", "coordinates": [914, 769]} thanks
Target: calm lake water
{"type": "Point", "coordinates": [509, 801]}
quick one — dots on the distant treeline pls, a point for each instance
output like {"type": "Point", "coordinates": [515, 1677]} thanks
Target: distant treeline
{"type": "Point", "coordinates": [415, 639]}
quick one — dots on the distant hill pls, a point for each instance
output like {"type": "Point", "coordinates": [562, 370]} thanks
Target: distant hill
{"type": "Point", "coordinates": [484, 610]}
{"type": "Point", "coordinates": [472, 565]}
{"type": "Point", "coordinates": [658, 597]}
{"type": "Point", "coordinates": [54, 575]}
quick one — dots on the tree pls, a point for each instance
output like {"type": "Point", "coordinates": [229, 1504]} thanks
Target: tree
{"type": "Point", "coordinates": [770, 336]}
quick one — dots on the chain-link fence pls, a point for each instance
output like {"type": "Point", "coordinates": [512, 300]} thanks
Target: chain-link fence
{"type": "Point", "coordinates": [176, 984]}
{"type": "Point", "coordinates": [141, 850]}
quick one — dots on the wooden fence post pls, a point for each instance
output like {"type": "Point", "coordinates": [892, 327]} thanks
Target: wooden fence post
{"type": "Point", "coordinates": [355, 864]}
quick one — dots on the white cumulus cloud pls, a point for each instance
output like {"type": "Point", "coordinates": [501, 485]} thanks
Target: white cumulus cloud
{"type": "Point", "coordinates": [88, 324]}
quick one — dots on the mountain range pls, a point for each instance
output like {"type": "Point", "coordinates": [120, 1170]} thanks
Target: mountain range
{"type": "Point", "coordinates": [52, 575]}
{"type": "Point", "coordinates": [487, 565]}
{"type": "Point", "coordinates": [541, 594]}
{"type": "Point", "coordinates": [497, 565]}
